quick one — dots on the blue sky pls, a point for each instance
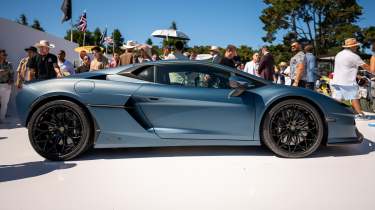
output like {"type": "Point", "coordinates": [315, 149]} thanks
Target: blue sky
{"type": "Point", "coordinates": [209, 22]}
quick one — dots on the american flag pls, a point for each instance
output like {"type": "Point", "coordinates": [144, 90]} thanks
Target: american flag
{"type": "Point", "coordinates": [82, 25]}
{"type": "Point", "coordinates": [103, 36]}
{"type": "Point", "coordinates": [108, 40]}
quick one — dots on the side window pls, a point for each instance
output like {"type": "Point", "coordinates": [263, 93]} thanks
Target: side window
{"type": "Point", "coordinates": [146, 73]}
{"type": "Point", "coordinates": [193, 76]}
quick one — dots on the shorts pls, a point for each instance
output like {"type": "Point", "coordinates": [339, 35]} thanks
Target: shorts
{"type": "Point", "coordinates": [342, 92]}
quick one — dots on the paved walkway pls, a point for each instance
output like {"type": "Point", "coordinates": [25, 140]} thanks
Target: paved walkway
{"type": "Point", "coordinates": [193, 178]}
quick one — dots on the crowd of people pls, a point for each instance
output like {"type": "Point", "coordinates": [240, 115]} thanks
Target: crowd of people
{"type": "Point", "coordinates": [299, 71]}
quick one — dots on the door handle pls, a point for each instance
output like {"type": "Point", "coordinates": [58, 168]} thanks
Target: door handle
{"type": "Point", "coordinates": [153, 98]}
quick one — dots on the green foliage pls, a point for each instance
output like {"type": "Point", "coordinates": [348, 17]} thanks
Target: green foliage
{"type": "Point", "coordinates": [325, 23]}
{"type": "Point", "coordinates": [36, 25]}
{"type": "Point", "coordinates": [78, 37]}
{"type": "Point", "coordinates": [97, 34]}
{"type": "Point", "coordinates": [173, 25]}
{"type": "Point", "coordinates": [368, 36]}
{"type": "Point", "coordinates": [199, 49]}
{"type": "Point", "coordinates": [280, 52]}
{"type": "Point", "coordinates": [117, 39]}
{"type": "Point", "coordinates": [149, 41]}
{"type": "Point", "coordinates": [245, 53]}
{"type": "Point", "coordinates": [22, 20]}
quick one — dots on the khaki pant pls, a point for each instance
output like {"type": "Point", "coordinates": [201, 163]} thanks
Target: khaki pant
{"type": "Point", "coordinates": [5, 90]}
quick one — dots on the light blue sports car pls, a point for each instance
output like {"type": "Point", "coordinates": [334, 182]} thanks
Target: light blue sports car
{"type": "Point", "coordinates": [178, 103]}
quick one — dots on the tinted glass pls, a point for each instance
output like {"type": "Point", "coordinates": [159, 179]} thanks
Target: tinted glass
{"type": "Point", "coordinates": [146, 73]}
{"type": "Point", "coordinates": [193, 76]}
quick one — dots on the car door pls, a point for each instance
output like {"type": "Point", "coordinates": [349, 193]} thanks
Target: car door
{"type": "Point", "coordinates": [185, 103]}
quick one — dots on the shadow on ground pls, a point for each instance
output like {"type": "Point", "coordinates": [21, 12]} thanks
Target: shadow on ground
{"type": "Point", "coordinates": [364, 148]}
{"type": "Point", "coordinates": [10, 123]}
{"type": "Point", "coordinates": [30, 169]}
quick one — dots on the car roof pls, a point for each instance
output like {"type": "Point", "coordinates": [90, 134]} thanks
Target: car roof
{"type": "Point", "coordinates": [132, 67]}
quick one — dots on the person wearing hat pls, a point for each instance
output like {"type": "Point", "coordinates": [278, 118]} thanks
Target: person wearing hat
{"type": "Point", "coordinates": [44, 64]}
{"type": "Point", "coordinates": [215, 52]}
{"type": "Point", "coordinates": [22, 70]}
{"type": "Point", "coordinates": [344, 84]}
{"type": "Point", "coordinates": [99, 61]}
{"type": "Point", "coordinates": [6, 81]}
{"type": "Point", "coordinates": [128, 56]}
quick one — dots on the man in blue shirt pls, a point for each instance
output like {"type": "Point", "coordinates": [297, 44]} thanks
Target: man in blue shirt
{"type": "Point", "coordinates": [310, 67]}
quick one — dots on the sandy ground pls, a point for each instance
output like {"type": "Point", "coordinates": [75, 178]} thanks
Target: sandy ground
{"type": "Point", "coordinates": [189, 178]}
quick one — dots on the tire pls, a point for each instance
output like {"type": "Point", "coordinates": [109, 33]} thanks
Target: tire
{"type": "Point", "coordinates": [60, 130]}
{"type": "Point", "coordinates": [292, 129]}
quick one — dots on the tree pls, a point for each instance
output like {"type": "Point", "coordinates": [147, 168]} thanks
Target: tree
{"type": "Point", "coordinates": [368, 36]}
{"type": "Point", "coordinates": [36, 25]}
{"type": "Point", "coordinates": [322, 22]}
{"type": "Point", "coordinates": [173, 25]}
{"type": "Point", "coordinates": [149, 41]}
{"type": "Point", "coordinates": [245, 53]}
{"type": "Point", "coordinates": [23, 20]}
{"type": "Point", "coordinates": [117, 39]}
{"type": "Point", "coordinates": [97, 35]}
{"type": "Point", "coordinates": [78, 37]}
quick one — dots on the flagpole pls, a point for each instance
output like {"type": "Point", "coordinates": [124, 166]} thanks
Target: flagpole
{"type": "Point", "coordinates": [113, 45]}
{"type": "Point", "coordinates": [71, 30]}
{"type": "Point", "coordinates": [84, 38]}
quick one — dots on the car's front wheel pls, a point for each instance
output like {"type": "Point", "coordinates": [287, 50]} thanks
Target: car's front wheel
{"type": "Point", "coordinates": [59, 130]}
{"type": "Point", "coordinates": [292, 128]}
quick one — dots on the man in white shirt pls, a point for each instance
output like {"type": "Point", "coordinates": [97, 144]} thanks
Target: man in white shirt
{"type": "Point", "coordinates": [252, 66]}
{"type": "Point", "coordinates": [344, 82]}
{"type": "Point", "coordinates": [177, 53]}
{"type": "Point", "coordinates": [66, 67]}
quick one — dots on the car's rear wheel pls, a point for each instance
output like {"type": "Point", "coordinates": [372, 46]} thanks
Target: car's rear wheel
{"type": "Point", "coordinates": [59, 130]}
{"type": "Point", "coordinates": [292, 128]}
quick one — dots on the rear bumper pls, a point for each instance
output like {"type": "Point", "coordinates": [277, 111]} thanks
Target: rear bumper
{"type": "Point", "coordinates": [343, 141]}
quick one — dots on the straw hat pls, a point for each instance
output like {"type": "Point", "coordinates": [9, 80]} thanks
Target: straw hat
{"type": "Point", "coordinates": [44, 43]}
{"type": "Point", "coordinates": [352, 42]}
{"type": "Point", "coordinates": [129, 45]}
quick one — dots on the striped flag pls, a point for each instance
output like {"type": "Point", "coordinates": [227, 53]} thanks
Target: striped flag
{"type": "Point", "coordinates": [82, 25]}
{"type": "Point", "coordinates": [108, 40]}
{"type": "Point", "coordinates": [103, 36]}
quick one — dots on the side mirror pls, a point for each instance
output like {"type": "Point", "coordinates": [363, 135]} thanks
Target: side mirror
{"type": "Point", "coordinates": [238, 85]}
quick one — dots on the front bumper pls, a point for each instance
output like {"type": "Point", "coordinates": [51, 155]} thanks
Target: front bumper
{"type": "Point", "coordinates": [343, 141]}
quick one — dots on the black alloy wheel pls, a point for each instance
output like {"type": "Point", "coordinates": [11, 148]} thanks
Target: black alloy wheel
{"type": "Point", "coordinates": [59, 130]}
{"type": "Point", "coordinates": [293, 129]}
